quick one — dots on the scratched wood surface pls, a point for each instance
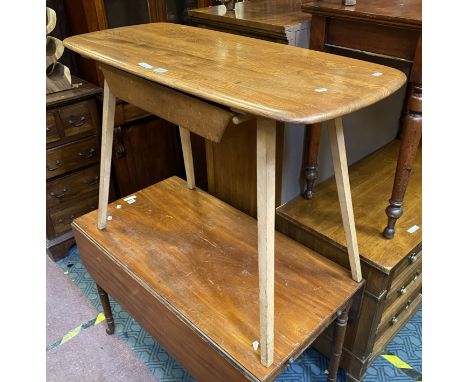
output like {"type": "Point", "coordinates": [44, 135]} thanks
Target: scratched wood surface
{"type": "Point", "coordinates": [198, 255]}
{"type": "Point", "coordinates": [275, 81]}
{"type": "Point", "coordinates": [272, 15]}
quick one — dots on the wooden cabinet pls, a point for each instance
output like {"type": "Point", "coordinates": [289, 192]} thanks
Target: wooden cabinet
{"type": "Point", "coordinates": [392, 268]}
{"type": "Point", "coordinates": [72, 161]}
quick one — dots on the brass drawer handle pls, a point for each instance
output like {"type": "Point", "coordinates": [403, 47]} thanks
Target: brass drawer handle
{"type": "Point", "coordinates": [59, 195]}
{"type": "Point", "coordinates": [404, 289]}
{"type": "Point", "coordinates": [75, 122]}
{"type": "Point", "coordinates": [90, 154]}
{"type": "Point", "coordinates": [91, 181]}
{"type": "Point", "coordinates": [67, 221]}
{"type": "Point", "coordinates": [396, 317]}
{"type": "Point", "coordinates": [57, 165]}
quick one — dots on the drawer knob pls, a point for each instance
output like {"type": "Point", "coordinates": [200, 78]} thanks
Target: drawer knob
{"type": "Point", "coordinates": [90, 154]}
{"type": "Point", "coordinates": [413, 258]}
{"type": "Point", "coordinates": [59, 195]}
{"type": "Point", "coordinates": [77, 122]}
{"type": "Point", "coordinates": [403, 290]}
{"type": "Point", "coordinates": [57, 165]}
{"type": "Point", "coordinates": [394, 320]}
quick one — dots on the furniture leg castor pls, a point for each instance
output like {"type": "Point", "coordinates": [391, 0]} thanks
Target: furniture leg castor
{"type": "Point", "coordinates": [337, 345]}
{"type": "Point", "coordinates": [410, 139]}
{"type": "Point", "coordinates": [104, 297]}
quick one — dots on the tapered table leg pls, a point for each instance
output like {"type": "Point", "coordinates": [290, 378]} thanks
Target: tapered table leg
{"type": "Point", "coordinates": [341, 323]}
{"type": "Point", "coordinates": [312, 148]}
{"type": "Point", "coordinates": [104, 297]}
{"type": "Point", "coordinates": [108, 114]}
{"type": "Point", "coordinates": [411, 136]}
{"type": "Point", "coordinates": [266, 147]}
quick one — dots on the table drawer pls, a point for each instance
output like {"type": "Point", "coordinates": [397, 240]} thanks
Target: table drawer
{"type": "Point", "coordinates": [62, 216]}
{"type": "Point", "coordinates": [63, 159]}
{"type": "Point", "coordinates": [63, 189]}
{"type": "Point", "coordinates": [52, 134]}
{"type": "Point", "coordinates": [78, 118]}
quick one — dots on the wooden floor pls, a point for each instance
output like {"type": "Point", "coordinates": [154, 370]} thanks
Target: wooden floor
{"type": "Point", "coordinates": [371, 186]}
{"type": "Point", "coordinates": [198, 255]}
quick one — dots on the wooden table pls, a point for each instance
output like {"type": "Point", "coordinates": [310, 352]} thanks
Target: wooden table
{"type": "Point", "coordinates": [231, 162]}
{"type": "Point", "coordinates": [387, 28]}
{"type": "Point", "coordinates": [203, 81]}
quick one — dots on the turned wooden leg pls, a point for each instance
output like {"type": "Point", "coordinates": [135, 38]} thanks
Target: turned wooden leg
{"type": "Point", "coordinates": [312, 148]}
{"type": "Point", "coordinates": [337, 345]}
{"type": "Point", "coordinates": [108, 113]}
{"type": "Point", "coordinates": [411, 136]}
{"type": "Point", "coordinates": [104, 297]}
{"type": "Point", "coordinates": [266, 147]}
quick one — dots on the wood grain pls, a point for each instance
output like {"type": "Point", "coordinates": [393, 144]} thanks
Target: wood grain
{"type": "Point", "coordinates": [268, 15]}
{"type": "Point", "coordinates": [198, 257]}
{"type": "Point", "coordinates": [232, 71]}
{"type": "Point", "coordinates": [340, 164]}
{"type": "Point", "coordinates": [406, 13]}
{"type": "Point", "coordinates": [108, 113]}
{"type": "Point", "coordinates": [370, 178]}
{"type": "Point", "coordinates": [266, 145]}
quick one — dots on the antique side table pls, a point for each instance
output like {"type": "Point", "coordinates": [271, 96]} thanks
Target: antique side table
{"type": "Point", "coordinates": [388, 28]}
{"type": "Point", "coordinates": [181, 261]}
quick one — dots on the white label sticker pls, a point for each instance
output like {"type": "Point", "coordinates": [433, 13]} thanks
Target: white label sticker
{"type": "Point", "coordinates": [413, 229]}
{"type": "Point", "coordinates": [160, 70]}
{"type": "Point", "coordinates": [145, 65]}
{"type": "Point", "coordinates": [255, 345]}
{"type": "Point", "coordinates": [131, 201]}
{"type": "Point", "coordinates": [109, 217]}
{"type": "Point", "coordinates": [129, 197]}
{"type": "Point", "coordinates": [321, 90]}
{"type": "Point", "coordinates": [377, 74]}
{"type": "Point", "coordinates": [119, 206]}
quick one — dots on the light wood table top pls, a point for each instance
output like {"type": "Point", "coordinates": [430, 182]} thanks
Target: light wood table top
{"type": "Point", "coordinates": [198, 255]}
{"type": "Point", "coordinates": [258, 77]}
{"type": "Point", "coordinates": [272, 15]}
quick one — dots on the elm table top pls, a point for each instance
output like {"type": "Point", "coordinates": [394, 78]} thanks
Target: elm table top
{"type": "Point", "coordinates": [258, 77]}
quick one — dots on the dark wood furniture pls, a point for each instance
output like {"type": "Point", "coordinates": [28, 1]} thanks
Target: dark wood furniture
{"type": "Point", "coordinates": [392, 268]}
{"type": "Point", "coordinates": [385, 28]}
{"type": "Point", "coordinates": [72, 156]}
{"type": "Point", "coordinates": [194, 231]}
{"type": "Point", "coordinates": [231, 163]}
{"type": "Point", "coordinates": [181, 295]}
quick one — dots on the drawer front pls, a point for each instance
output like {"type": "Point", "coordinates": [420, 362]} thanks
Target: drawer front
{"type": "Point", "coordinates": [61, 217]}
{"type": "Point", "coordinates": [63, 159]}
{"type": "Point", "coordinates": [397, 311]}
{"type": "Point", "coordinates": [408, 262]}
{"type": "Point", "coordinates": [404, 286]}
{"type": "Point", "coordinates": [66, 188]}
{"type": "Point", "coordinates": [52, 134]}
{"type": "Point", "coordinates": [78, 118]}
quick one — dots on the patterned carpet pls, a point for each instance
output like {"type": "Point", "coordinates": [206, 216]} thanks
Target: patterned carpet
{"type": "Point", "coordinates": [309, 367]}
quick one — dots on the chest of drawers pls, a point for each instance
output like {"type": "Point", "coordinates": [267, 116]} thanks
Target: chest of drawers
{"type": "Point", "coordinates": [72, 162]}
